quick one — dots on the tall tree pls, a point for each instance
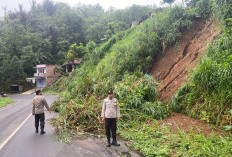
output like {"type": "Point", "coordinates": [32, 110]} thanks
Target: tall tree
{"type": "Point", "coordinates": [169, 2]}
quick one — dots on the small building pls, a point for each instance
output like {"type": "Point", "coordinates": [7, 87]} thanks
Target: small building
{"type": "Point", "coordinates": [71, 66]}
{"type": "Point", "coordinates": [45, 75]}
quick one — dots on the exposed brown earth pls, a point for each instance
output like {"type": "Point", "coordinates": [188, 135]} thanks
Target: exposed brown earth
{"type": "Point", "coordinates": [171, 68]}
{"type": "Point", "coordinates": [177, 120]}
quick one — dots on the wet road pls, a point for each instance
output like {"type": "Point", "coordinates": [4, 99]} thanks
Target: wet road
{"type": "Point", "coordinates": [26, 143]}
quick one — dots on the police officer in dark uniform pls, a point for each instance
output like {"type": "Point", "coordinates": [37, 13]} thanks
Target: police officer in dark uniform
{"type": "Point", "coordinates": [110, 114]}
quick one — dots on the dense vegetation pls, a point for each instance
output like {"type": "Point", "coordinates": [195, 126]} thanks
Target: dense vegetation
{"type": "Point", "coordinates": [44, 34]}
{"type": "Point", "coordinates": [208, 94]}
{"type": "Point", "coordinates": [122, 62]}
{"type": "Point", "coordinates": [117, 56]}
{"type": "Point", "coordinates": [154, 140]}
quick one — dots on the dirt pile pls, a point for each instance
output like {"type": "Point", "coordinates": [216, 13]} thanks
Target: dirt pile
{"type": "Point", "coordinates": [171, 68]}
{"type": "Point", "coordinates": [177, 120]}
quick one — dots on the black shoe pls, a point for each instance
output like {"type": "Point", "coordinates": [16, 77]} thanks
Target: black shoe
{"type": "Point", "coordinates": [108, 142]}
{"type": "Point", "coordinates": [115, 143]}
{"type": "Point", "coordinates": [42, 132]}
{"type": "Point", "coordinates": [36, 130]}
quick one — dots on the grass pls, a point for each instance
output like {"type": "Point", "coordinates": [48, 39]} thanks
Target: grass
{"type": "Point", "coordinates": [120, 64]}
{"type": "Point", "coordinates": [51, 92]}
{"type": "Point", "coordinates": [154, 140]}
{"type": "Point", "coordinates": [5, 101]}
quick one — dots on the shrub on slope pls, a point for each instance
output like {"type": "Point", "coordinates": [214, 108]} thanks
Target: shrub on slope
{"type": "Point", "coordinates": [208, 95]}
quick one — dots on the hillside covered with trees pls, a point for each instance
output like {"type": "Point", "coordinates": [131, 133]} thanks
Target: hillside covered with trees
{"type": "Point", "coordinates": [122, 62]}
{"type": "Point", "coordinates": [118, 56]}
{"type": "Point", "coordinates": [44, 34]}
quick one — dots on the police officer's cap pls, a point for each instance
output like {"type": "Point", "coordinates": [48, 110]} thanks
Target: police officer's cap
{"type": "Point", "coordinates": [110, 91]}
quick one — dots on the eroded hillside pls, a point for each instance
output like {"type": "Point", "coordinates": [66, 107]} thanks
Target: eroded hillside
{"type": "Point", "coordinates": [171, 68]}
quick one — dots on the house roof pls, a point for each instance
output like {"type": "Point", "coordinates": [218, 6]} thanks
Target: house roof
{"type": "Point", "coordinates": [76, 61]}
{"type": "Point", "coordinates": [41, 66]}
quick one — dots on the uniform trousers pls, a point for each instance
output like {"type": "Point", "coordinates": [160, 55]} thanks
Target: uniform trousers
{"type": "Point", "coordinates": [40, 118]}
{"type": "Point", "coordinates": [111, 125]}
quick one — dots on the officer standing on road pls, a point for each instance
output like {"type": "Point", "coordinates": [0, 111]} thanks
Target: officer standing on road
{"type": "Point", "coordinates": [110, 111]}
{"type": "Point", "coordinates": [39, 102]}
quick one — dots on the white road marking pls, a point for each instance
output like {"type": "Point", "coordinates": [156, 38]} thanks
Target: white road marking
{"type": "Point", "coordinates": [16, 130]}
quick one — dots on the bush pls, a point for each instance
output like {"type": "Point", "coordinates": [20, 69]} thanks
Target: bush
{"type": "Point", "coordinates": [209, 92]}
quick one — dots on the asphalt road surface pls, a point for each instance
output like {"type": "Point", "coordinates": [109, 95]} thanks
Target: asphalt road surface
{"type": "Point", "coordinates": [18, 137]}
{"type": "Point", "coordinates": [16, 118]}
{"type": "Point", "coordinates": [25, 143]}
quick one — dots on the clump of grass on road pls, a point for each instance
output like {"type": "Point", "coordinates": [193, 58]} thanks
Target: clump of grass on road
{"type": "Point", "coordinates": [5, 101]}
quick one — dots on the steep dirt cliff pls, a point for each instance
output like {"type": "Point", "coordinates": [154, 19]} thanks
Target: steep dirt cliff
{"type": "Point", "coordinates": [171, 68]}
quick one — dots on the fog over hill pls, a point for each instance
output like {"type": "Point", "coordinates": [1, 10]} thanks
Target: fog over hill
{"type": "Point", "coordinates": [13, 4]}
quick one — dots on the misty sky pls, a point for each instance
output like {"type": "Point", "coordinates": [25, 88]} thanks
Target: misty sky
{"type": "Point", "coordinates": [13, 4]}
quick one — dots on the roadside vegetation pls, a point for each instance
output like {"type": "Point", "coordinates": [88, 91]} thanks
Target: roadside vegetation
{"type": "Point", "coordinates": [5, 101]}
{"type": "Point", "coordinates": [208, 93]}
{"type": "Point", "coordinates": [152, 139]}
{"type": "Point", "coordinates": [44, 34]}
{"type": "Point", "coordinates": [122, 62]}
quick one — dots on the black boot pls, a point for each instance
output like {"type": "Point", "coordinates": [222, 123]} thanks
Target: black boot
{"type": "Point", "coordinates": [36, 130]}
{"type": "Point", "coordinates": [115, 143]}
{"type": "Point", "coordinates": [108, 142]}
{"type": "Point", "coordinates": [42, 131]}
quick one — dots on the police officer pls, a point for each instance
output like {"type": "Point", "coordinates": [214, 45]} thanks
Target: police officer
{"type": "Point", "coordinates": [39, 102]}
{"type": "Point", "coordinates": [110, 114]}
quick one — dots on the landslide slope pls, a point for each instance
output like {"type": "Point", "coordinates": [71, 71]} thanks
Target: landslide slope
{"type": "Point", "coordinates": [171, 68]}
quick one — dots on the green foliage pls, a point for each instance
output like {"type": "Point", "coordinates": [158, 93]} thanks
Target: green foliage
{"type": "Point", "coordinates": [210, 88]}
{"type": "Point", "coordinates": [140, 93]}
{"type": "Point", "coordinates": [171, 23]}
{"type": "Point", "coordinates": [75, 52]}
{"type": "Point", "coordinates": [228, 117]}
{"type": "Point", "coordinates": [155, 140]}
{"type": "Point", "coordinates": [222, 9]}
{"type": "Point", "coordinates": [148, 140]}
{"type": "Point", "coordinates": [203, 7]}
{"type": "Point", "coordinates": [201, 145]}
{"type": "Point", "coordinates": [59, 86]}
{"type": "Point", "coordinates": [14, 72]}
{"type": "Point", "coordinates": [120, 63]}
{"type": "Point", "coordinates": [5, 101]}
{"type": "Point", "coordinates": [46, 33]}
{"type": "Point", "coordinates": [208, 95]}
{"type": "Point", "coordinates": [82, 112]}
{"type": "Point", "coordinates": [169, 1]}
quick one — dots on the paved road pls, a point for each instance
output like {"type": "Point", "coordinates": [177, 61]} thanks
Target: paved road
{"type": "Point", "coordinates": [26, 143]}
{"type": "Point", "coordinates": [13, 115]}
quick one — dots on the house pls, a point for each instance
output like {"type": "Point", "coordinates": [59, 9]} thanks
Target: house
{"type": "Point", "coordinates": [71, 66]}
{"type": "Point", "coordinates": [45, 75]}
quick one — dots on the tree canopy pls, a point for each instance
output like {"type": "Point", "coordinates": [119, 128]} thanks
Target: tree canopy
{"type": "Point", "coordinates": [45, 33]}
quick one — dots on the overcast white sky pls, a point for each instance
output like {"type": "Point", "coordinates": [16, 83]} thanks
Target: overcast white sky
{"type": "Point", "coordinates": [13, 4]}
